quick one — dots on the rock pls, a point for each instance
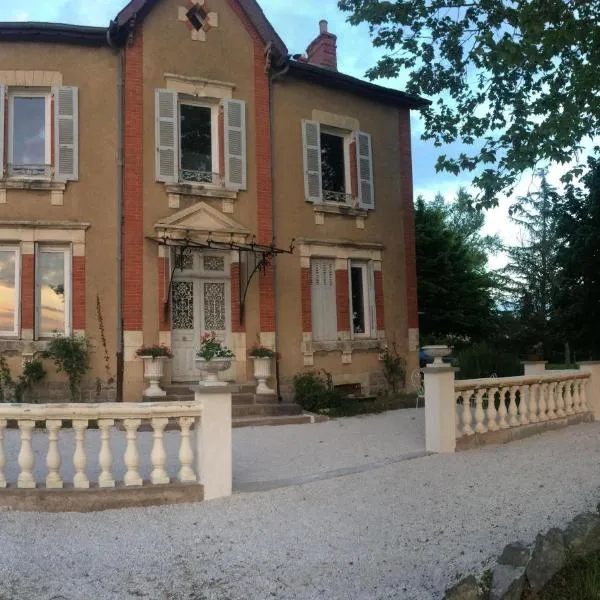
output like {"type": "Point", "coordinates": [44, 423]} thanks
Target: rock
{"type": "Point", "coordinates": [508, 576]}
{"type": "Point", "coordinates": [548, 558]}
{"type": "Point", "coordinates": [582, 536]}
{"type": "Point", "coordinates": [467, 589]}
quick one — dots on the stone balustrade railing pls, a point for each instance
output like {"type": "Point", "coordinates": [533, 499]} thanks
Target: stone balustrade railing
{"type": "Point", "coordinates": [501, 403]}
{"type": "Point", "coordinates": [184, 415]}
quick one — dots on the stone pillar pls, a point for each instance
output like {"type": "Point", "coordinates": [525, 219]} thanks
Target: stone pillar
{"type": "Point", "coordinates": [213, 441]}
{"type": "Point", "coordinates": [593, 386]}
{"type": "Point", "coordinates": [534, 367]}
{"type": "Point", "coordinates": [440, 409]}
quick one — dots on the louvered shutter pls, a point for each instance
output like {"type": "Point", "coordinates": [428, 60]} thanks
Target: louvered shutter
{"type": "Point", "coordinates": [311, 142]}
{"type": "Point", "coordinates": [167, 136]}
{"type": "Point", "coordinates": [2, 119]}
{"type": "Point", "coordinates": [235, 144]}
{"type": "Point", "coordinates": [324, 313]}
{"type": "Point", "coordinates": [364, 160]}
{"type": "Point", "coordinates": [372, 304]}
{"type": "Point", "coordinates": [66, 128]}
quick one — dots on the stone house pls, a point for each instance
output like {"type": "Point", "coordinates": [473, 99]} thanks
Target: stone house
{"type": "Point", "coordinates": [178, 171]}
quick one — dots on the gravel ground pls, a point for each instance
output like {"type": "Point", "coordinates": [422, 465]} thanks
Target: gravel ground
{"type": "Point", "coordinates": [404, 530]}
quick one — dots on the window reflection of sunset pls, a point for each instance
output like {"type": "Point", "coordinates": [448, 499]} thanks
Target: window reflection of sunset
{"type": "Point", "coordinates": [52, 292]}
{"type": "Point", "coordinates": [7, 291]}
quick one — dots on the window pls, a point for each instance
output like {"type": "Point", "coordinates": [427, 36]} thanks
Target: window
{"type": "Point", "coordinates": [360, 302]}
{"type": "Point", "coordinates": [29, 133]}
{"type": "Point", "coordinates": [53, 297]}
{"type": "Point", "coordinates": [197, 16]}
{"type": "Point", "coordinates": [196, 143]}
{"type": "Point", "coordinates": [9, 290]}
{"type": "Point", "coordinates": [334, 159]}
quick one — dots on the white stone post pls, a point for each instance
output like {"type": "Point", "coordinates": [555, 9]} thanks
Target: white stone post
{"type": "Point", "coordinates": [213, 441]}
{"type": "Point", "coordinates": [440, 408]}
{"type": "Point", "coordinates": [592, 391]}
{"type": "Point", "coordinates": [534, 367]}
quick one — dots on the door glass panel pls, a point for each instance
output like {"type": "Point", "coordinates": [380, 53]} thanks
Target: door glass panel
{"type": "Point", "coordinates": [214, 307]}
{"type": "Point", "coordinates": [183, 304]}
{"type": "Point", "coordinates": [214, 263]}
{"type": "Point", "coordinates": [358, 305]}
{"type": "Point", "coordinates": [52, 292]}
{"type": "Point", "coordinates": [7, 291]}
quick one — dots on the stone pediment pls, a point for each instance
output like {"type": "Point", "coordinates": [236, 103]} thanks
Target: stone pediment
{"type": "Point", "coordinates": [201, 219]}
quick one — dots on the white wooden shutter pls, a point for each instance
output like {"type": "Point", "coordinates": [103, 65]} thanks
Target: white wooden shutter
{"type": "Point", "coordinates": [2, 118]}
{"type": "Point", "coordinates": [66, 128]}
{"type": "Point", "coordinates": [235, 144]}
{"type": "Point", "coordinates": [371, 296]}
{"type": "Point", "coordinates": [311, 143]}
{"type": "Point", "coordinates": [364, 160]}
{"type": "Point", "coordinates": [324, 313]}
{"type": "Point", "coordinates": [167, 136]}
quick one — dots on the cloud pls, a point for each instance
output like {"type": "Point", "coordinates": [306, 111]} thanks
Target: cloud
{"type": "Point", "coordinates": [22, 15]}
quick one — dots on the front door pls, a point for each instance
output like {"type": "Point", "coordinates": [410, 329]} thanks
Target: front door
{"type": "Point", "coordinates": [199, 302]}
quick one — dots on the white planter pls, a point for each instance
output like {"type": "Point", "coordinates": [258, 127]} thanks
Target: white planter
{"type": "Point", "coordinates": [153, 372]}
{"type": "Point", "coordinates": [211, 369]}
{"type": "Point", "coordinates": [262, 372]}
{"type": "Point", "coordinates": [438, 353]}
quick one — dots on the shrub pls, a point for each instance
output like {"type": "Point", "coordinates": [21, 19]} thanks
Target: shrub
{"type": "Point", "coordinates": [315, 392]}
{"type": "Point", "coordinates": [394, 368]}
{"type": "Point", "coordinates": [71, 356]}
{"type": "Point", "coordinates": [14, 390]}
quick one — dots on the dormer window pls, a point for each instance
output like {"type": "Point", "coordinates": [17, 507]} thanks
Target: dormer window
{"type": "Point", "coordinates": [197, 17]}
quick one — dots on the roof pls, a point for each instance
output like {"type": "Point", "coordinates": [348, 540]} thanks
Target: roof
{"type": "Point", "coordinates": [53, 32]}
{"type": "Point", "coordinates": [340, 81]}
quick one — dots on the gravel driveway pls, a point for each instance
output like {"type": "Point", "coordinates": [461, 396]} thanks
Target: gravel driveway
{"type": "Point", "coordinates": [396, 529]}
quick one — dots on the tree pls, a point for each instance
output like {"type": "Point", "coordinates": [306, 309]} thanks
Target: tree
{"type": "Point", "coordinates": [532, 266]}
{"type": "Point", "coordinates": [454, 286]}
{"type": "Point", "coordinates": [518, 78]}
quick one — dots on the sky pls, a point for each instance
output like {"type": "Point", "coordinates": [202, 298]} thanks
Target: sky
{"type": "Point", "coordinates": [297, 24]}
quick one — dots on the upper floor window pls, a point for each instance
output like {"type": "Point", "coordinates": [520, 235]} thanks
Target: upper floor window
{"type": "Point", "coordinates": [338, 165]}
{"type": "Point", "coordinates": [39, 132]}
{"type": "Point", "coordinates": [193, 147]}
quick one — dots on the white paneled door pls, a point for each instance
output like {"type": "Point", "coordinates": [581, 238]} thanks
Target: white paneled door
{"type": "Point", "coordinates": [200, 301]}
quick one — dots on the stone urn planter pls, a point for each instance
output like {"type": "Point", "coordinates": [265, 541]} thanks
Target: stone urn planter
{"type": "Point", "coordinates": [262, 372]}
{"type": "Point", "coordinates": [211, 369]}
{"type": "Point", "coordinates": [153, 372]}
{"type": "Point", "coordinates": [438, 353]}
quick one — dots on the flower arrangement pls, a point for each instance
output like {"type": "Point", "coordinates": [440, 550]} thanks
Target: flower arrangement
{"type": "Point", "coordinates": [260, 351]}
{"type": "Point", "coordinates": [211, 347]}
{"type": "Point", "coordinates": [154, 352]}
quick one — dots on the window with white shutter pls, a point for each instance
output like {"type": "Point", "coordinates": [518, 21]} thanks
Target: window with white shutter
{"type": "Point", "coordinates": [324, 313]}
{"type": "Point", "coordinates": [235, 144]}
{"type": "Point", "coordinates": [66, 141]}
{"type": "Point", "coordinates": [2, 97]}
{"type": "Point", "coordinates": [311, 142]}
{"type": "Point", "coordinates": [364, 161]}
{"type": "Point", "coordinates": [167, 136]}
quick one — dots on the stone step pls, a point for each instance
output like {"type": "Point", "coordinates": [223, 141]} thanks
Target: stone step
{"type": "Point", "coordinates": [265, 410]}
{"type": "Point", "coordinates": [184, 389]}
{"type": "Point", "coordinates": [272, 421]}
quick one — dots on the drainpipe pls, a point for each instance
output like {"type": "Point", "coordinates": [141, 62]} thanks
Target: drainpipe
{"type": "Point", "coordinates": [273, 78]}
{"type": "Point", "coordinates": [119, 192]}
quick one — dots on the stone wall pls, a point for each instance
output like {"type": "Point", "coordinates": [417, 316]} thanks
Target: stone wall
{"type": "Point", "coordinates": [51, 392]}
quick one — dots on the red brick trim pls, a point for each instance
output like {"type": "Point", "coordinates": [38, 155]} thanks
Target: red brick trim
{"type": "Point", "coordinates": [408, 219]}
{"type": "Point", "coordinates": [379, 300]}
{"type": "Point", "coordinates": [79, 293]}
{"type": "Point", "coordinates": [342, 300]}
{"type": "Point", "coordinates": [164, 321]}
{"type": "Point", "coordinates": [133, 235]}
{"type": "Point", "coordinates": [27, 291]}
{"type": "Point", "coordinates": [236, 315]}
{"type": "Point", "coordinates": [306, 300]}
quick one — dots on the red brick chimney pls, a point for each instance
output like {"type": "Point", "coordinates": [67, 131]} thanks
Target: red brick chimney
{"type": "Point", "coordinates": [322, 51]}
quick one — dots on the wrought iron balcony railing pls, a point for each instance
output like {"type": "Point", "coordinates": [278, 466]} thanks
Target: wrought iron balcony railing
{"type": "Point", "coordinates": [191, 176]}
{"type": "Point", "coordinates": [44, 171]}
{"type": "Point", "coordinates": [338, 197]}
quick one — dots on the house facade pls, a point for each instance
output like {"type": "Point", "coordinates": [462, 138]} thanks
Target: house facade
{"type": "Point", "coordinates": [178, 172]}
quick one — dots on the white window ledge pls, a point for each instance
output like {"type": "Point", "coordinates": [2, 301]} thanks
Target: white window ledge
{"type": "Point", "coordinates": [29, 183]}
{"type": "Point", "coordinates": [341, 209]}
{"type": "Point", "coordinates": [345, 347]}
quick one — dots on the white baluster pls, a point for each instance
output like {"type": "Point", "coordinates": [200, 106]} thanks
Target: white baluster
{"type": "Point", "coordinates": [576, 399]}
{"type": "Point", "coordinates": [532, 402]}
{"type": "Point", "coordinates": [491, 410]}
{"type": "Point", "coordinates": [158, 455]}
{"type": "Point", "coordinates": [53, 480]}
{"type": "Point", "coordinates": [80, 479]}
{"type": "Point", "coordinates": [560, 401]}
{"type": "Point", "coordinates": [568, 399]}
{"type": "Point", "coordinates": [542, 416]}
{"type": "Point", "coordinates": [479, 414]}
{"type": "Point", "coordinates": [26, 459]}
{"type": "Point", "coordinates": [2, 455]}
{"type": "Point", "coordinates": [502, 412]}
{"type": "Point", "coordinates": [512, 407]}
{"type": "Point", "coordinates": [131, 458]}
{"type": "Point", "coordinates": [551, 400]}
{"type": "Point", "coordinates": [583, 395]}
{"type": "Point", "coordinates": [523, 408]}
{"type": "Point", "coordinates": [105, 480]}
{"type": "Point", "coordinates": [186, 456]}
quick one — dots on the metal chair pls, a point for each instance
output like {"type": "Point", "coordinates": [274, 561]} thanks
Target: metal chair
{"type": "Point", "coordinates": [416, 381]}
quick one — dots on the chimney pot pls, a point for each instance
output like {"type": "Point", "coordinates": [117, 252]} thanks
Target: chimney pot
{"type": "Point", "coordinates": [322, 51]}
{"type": "Point", "coordinates": [323, 26]}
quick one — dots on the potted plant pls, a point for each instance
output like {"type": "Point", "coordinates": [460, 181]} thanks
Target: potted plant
{"type": "Point", "coordinates": [154, 357]}
{"type": "Point", "coordinates": [261, 356]}
{"type": "Point", "coordinates": [212, 358]}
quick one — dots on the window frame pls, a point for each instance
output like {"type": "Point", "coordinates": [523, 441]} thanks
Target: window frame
{"type": "Point", "coordinates": [17, 313]}
{"type": "Point", "coordinates": [347, 137]}
{"type": "Point", "coordinates": [68, 271]}
{"type": "Point", "coordinates": [24, 92]}
{"type": "Point", "coordinates": [214, 133]}
{"type": "Point", "coordinates": [367, 315]}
